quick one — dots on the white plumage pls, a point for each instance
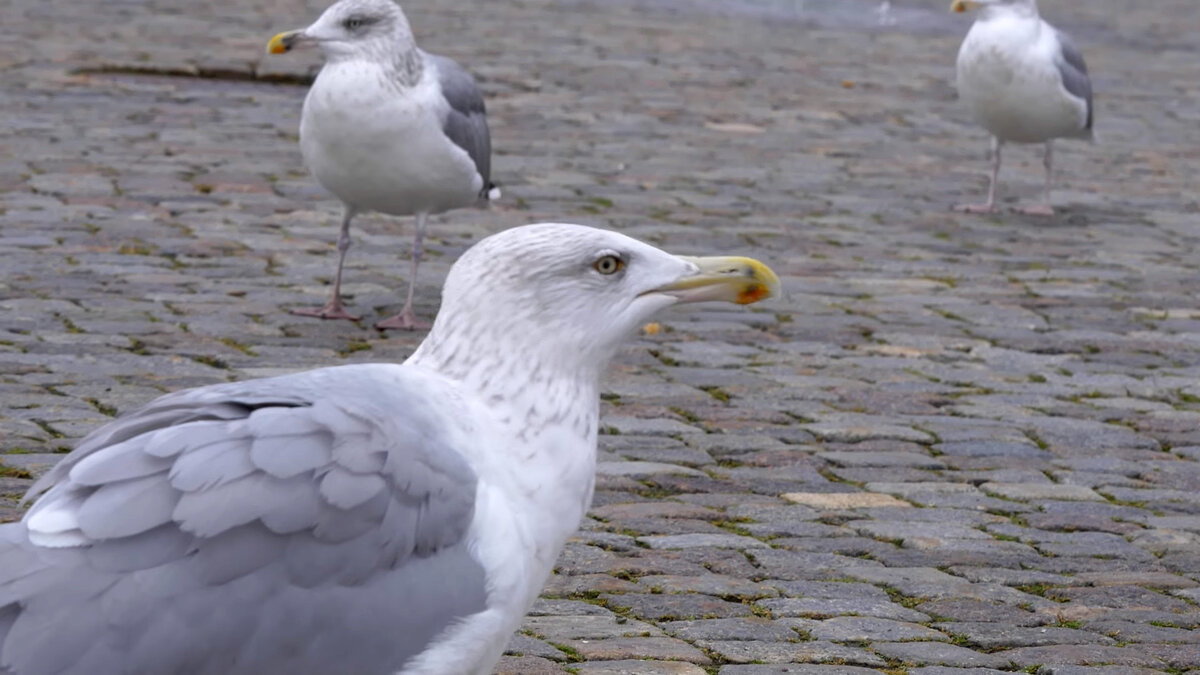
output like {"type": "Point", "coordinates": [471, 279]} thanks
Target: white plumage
{"type": "Point", "coordinates": [1024, 81]}
{"type": "Point", "coordinates": [373, 519]}
{"type": "Point", "coordinates": [388, 127]}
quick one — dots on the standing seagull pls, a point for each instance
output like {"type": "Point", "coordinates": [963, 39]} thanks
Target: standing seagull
{"type": "Point", "coordinates": [1025, 82]}
{"type": "Point", "coordinates": [373, 519]}
{"type": "Point", "coordinates": [388, 127]}
{"type": "Point", "coordinates": [884, 12]}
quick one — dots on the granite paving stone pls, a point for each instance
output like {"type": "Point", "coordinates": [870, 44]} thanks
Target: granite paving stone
{"type": "Point", "coordinates": [867, 629]}
{"type": "Point", "coordinates": [1041, 490]}
{"type": "Point", "coordinates": [1095, 670]}
{"type": "Point", "coordinates": [743, 651]}
{"type": "Point", "coordinates": [659, 607]}
{"type": "Point", "coordinates": [748, 628]}
{"type": "Point", "coordinates": [528, 665]}
{"type": "Point", "coordinates": [1132, 631]}
{"type": "Point", "coordinates": [795, 669]}
{"type": "Point", "coordinates": [952, 670]}
{"type": "Point", "coordinates": [719, 585]}
{"type": "Point", "coordinates": [1083, 655]}
{"type": "Point", "coordinates": [997, 635]}
{"type": "Point", "coordinates": [696, 540]}
{"type": "Point", "coordinates": [558, 628]}
{"type": "Point", "coordinates": [843, 500]}
{"type": "Point", "coordinates": [619, 648]}
{"type": "Point", "coordinates": [938, 653]}
{"type": "Point", "coordinates": [829, 607]}
{"type": "Point", "coordinates": [532, 647]}
{"type": "Point", "coordinates": [637, 667]}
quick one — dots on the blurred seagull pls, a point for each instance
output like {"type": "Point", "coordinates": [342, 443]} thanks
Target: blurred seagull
{"type": "Point", "coordinates": [388, 127]}
{"type": "Point", "coordinates": [370, 519]}
{"type": "Point", "coordinates": [884, 12]}
{"type": "Point", "coordinates": [1024, 81]}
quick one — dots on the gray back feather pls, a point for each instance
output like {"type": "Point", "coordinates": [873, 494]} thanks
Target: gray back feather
{"type": "Point", "coordinates": [1074, 73]}
{"type": "Point", "coordinates": [311, 523]}
{"type": "Point", "coordinates": [466, 122]}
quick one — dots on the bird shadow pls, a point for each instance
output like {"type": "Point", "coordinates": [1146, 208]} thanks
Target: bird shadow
{"type": "Point", "coordinates": [1083, 215]}
{"type": "Point", "coordinates": [1065, 216]}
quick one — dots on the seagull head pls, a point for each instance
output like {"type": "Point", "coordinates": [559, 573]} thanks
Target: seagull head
{"type": "Point", "coordinates": [569, 294]}
{"type": "Point", "coordinates": [349, 28]}
{"type": "Point", "coordinates": [989, 8]}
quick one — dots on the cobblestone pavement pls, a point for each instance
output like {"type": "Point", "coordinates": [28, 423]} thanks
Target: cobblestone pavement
{"type": "Point", "coordinates": [960, 444]}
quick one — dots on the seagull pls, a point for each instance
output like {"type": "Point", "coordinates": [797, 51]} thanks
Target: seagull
{"type": "Point", "coordinates": [388, 127]}
{"type": "Point", "coordinates": [368, 519]}
{"type": "Point", "coordinates": [884, 13]}
{"type": "Point", "coordinates": [1024, 81]}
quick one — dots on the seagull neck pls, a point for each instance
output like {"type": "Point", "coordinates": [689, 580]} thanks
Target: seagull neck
{"type": "Point", "coordinates": [409, 65]}
{"type": "Point", "coordinates": [1020, 10]}
{"type": "Point", "coordinates": [398, 60]}
{"type": "Point", "coordinates": [403, 56]}
{"type": "Point", "coordinates": [536, 387]}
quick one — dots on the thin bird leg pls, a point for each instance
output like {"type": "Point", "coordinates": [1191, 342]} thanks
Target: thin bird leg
{"type": "Point", "coordinates": [990, 206]}
{"type": "Point", "coordinates": [1044, 209]}
{"type": "Point", "coordinates": [407, 319]}
{"type": "Point", "coordinates": [334, 309]}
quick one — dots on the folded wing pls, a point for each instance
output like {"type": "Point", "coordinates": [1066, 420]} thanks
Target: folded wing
{"type": "Point", "coordinates": [305, 524]}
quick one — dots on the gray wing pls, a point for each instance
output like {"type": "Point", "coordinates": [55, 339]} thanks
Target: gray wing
{"type": "Point", "coordinates": [1074, 72]}
{"type": "Point", "coordinates": [466, 123]}
{"type": "Point", "coordinates": [243, 529]}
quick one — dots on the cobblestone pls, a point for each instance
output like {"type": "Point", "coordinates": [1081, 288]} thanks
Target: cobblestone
{"type": "Point", "coordinates": [959, 445]}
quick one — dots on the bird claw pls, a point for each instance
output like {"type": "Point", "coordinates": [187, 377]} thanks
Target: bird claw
{"type": "Point", "coordinates": [405, 320]}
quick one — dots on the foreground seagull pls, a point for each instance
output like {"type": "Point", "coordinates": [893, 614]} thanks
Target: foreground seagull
{"type": "Point", "coordinates": [373, 519]}
{"type": "Point", "coordinates": [388, 127]}
{"type": "Point", "coordinates": [1025, 83]}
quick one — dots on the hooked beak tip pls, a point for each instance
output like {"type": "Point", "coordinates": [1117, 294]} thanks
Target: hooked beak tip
{"type": "Point", "coordinates": [731, 279]}
{"type": "Point", "coordinates": [283, 42]}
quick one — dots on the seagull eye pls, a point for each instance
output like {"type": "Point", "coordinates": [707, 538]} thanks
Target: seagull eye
{"type": "Point", "coordinates": [353, 23]}
{"type": "Point", "coordinates": [609, 264]}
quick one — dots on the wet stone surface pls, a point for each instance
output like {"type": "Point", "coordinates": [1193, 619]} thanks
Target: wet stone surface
{"type": "Point", "coordinates": [958, 445]}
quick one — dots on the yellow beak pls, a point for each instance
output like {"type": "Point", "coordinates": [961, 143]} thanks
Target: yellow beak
{"type": "Point", "coordinates": [964, 5]}
{"type": "Point", "coordinates": [283, 42]}
{"type": "Point", "coordinates": [726, 279]}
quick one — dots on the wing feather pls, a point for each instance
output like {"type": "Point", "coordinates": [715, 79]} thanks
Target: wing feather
{"type": "Point", "coordinates": [59, 515]}
{"type": "Point", "coordinates": [296, 510]}
{"type": "Point", "coordinates": [141, 551]}
{"type": "Point", "coordinates": [347, 490]}
{"type": "Point", "coordinates": [122, 461]}
{"type": "Point", "coordinates": [466, 122]}
{"type": "Point", "coordinates": [208, 503]}
{"type": "Point", "coordinates": [310, 562]}
{"type": "Point", "coordinates": [291, 454]}
{"type": "Point", "coordinates": [213, 465]}
{"type": "Point", "coordinates": [236, 552]}
{"type": "Point", "coordinates": [334, 524]}
{"type": "Point", "coordinates": [126, 508]}
{"type": "Point", "coordinates": [1074, 73]}
{"type": "Point", "coordinates": [209, 512]}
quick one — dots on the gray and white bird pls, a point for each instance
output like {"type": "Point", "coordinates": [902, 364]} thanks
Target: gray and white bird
{"type": "Point", "coordinates": [372, 519]}
{"type": "Point", "coordinates": [1024, 81]}
{"type": "Point", "coordinates": [388, 127]}
{"type": "Point", "coordinates": [884, 13]}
